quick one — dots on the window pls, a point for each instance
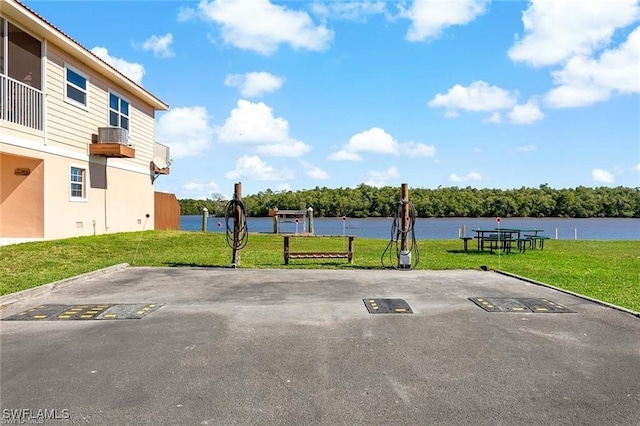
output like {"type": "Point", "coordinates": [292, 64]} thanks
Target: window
{"type": "Point", "coordinates": [76, 87]}
{"type": "Point", "coordinates": [118, 112]}
{"type": "Point", "coordinates": [23, 56]}
{"type": "Point", "coordinates": [78, 181]}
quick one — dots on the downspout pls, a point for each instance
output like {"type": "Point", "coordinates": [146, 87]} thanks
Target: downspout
{"type": "Point", "coordinates": [45, 48]}
{"type": "Point", "coordinates": [106, 186]}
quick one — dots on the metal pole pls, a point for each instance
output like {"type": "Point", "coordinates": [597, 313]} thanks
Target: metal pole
{"type": "Point", "coordinates": [237, 217]}
{"type": "Point", "coordinates": [276, 226]}
{"type": "Point", "coordinates": [310, 219]}
{"type": "Point", "coordinates": [205, 216]}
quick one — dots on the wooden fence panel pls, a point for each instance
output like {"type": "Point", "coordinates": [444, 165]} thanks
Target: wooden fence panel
{"type": "Point", "coordinates": [167, 211]}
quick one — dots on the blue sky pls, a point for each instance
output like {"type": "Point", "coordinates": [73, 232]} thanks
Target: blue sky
{"type": "Point", "coordinates": [298, 94]}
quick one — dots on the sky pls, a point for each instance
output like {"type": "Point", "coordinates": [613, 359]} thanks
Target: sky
{"type": "Point", "coordinates": [297, 94]}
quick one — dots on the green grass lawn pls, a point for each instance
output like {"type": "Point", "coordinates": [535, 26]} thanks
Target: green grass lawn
{"type": "Point", "coordinates": [606, 270]}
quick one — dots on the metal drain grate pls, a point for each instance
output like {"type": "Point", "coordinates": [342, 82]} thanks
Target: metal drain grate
{"type": "Point", "coordinates": [387, 306]}
{"type": "Point", "coordinates": [85, 312]}
{"type": "Point", "coordinates": [519, 304]}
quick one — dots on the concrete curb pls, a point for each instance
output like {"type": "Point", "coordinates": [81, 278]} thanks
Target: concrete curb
{"type": "Point", "coordinates": [9, 299]}
{"type": "Point", "coordinates": [581, 296]}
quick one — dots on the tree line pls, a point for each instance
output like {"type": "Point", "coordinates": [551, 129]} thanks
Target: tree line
{"type": "Point", "coordinates": [369, 201]}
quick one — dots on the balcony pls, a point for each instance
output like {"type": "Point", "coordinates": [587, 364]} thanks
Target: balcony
{"type": "Point", "coordinates": [112, 149]}
{"type": "Point", "coordinates": [111, 142]}
{"type": "Point", "coordinates": [20, 103]}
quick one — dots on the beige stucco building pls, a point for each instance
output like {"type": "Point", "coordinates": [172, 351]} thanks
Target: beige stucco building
{"type": "Point", "coordinates": [77, 148]}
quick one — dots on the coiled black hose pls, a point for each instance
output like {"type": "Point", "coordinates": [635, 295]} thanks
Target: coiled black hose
{"type": "Point", "coordinates": [243, 230]}
{"type": "Point", "coordinates": [397, 234]}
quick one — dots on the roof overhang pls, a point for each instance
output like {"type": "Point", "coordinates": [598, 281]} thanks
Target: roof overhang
{"type": "Point", "coordinates": [22, 15]}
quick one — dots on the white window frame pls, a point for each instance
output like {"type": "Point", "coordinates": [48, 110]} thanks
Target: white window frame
{"type": "Point", "coordinates": [67, 83]}
{"type": "Point", "coordinates": [85, 180]}
{"type": "Point", "coordinates": [120, 115]}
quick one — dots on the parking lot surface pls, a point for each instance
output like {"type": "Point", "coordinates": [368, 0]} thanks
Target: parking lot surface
{"type": "Point", "coordinates": [238, 346]}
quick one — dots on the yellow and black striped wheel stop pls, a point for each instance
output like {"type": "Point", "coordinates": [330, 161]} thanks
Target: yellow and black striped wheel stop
{"type": "Point", "coordinates": [520, 305]}
{"type": "Point", "coordinates": [87, 311]}
{"type": "Point", "coordinates": [387, 306]}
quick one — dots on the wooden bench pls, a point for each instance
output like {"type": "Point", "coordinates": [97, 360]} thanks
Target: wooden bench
{"type": "Point", "coordinates": [288, 254]}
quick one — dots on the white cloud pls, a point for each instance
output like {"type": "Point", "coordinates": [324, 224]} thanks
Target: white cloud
{"type": "Point", "coordinates": [557, 30]}
{"type": "Point", "coordinates": [261, 26]}
{"type": "Point", "coordinates": [283, 187]}
{"type": "Point", "coordinates": [414, 150]}
{"type": "Point", "coordinates": [479, 96]}
{"type": "Point", "coordinates": [160, 46]}
{"type": "Point", "coordinates": [314, 172]}
{"type": "Point", "coordinates": [291, 148]}
{"type": "Point", "coordinates": [380, 178]}
{"type": "Point", "coordinates": [637, 168]}
{"type": "Point", "coordinates": [253, 168]}
{"type": "Point", "coordinates": [349, 10]}
{"type": "Point", "coordinates": [132, 70]}
{"type": "Point", "coordinates": [194, 186]}
{"type": "Point", "coordinates": [526, 148]}
{"type": "Point", "coordinates": [374, 140]}
{"type": "Point", "coordinates": [584, 81]}
{"type": "Point", "coordinates": [253, 124]}
{"type": "Point", "coordinates": [186, 14]}
{"type": "Point", "coordinates": [378, 141]}
{"type": "Point", "coordinates": [430, 17]}
{"type": "Point", "coordinates": [601, 176]}
{"type": "Point", "coordinates": [254, 84]}
{"type": "Point", "coordinates": [525, 114]}
{"type": "Point", "coordinates": [344, 155]}
{"type": "Point", "coordinates": [202, 191]}
{"type": "Point", "coordinates": [185, 130]}
{"type": "Point", "coordinates": [496, 118]}
{"type": "Point", "coordinates": [474, 176]}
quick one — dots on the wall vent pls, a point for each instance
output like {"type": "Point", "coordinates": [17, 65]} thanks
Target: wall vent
{"type": "Point", "coordinates": [112, 135]}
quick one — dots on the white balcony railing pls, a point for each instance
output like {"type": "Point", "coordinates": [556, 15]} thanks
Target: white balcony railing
{"type": "Point", "coordinates": [20, 103]}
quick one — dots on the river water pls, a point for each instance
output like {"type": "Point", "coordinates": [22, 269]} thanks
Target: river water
{"type": "Point", "coordinates": [439, 228]}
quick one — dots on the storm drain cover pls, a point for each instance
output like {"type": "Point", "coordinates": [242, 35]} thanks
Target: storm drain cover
{"type": "Point", "coordinates": [130, 311]}
{"type": "Point", "coordinates": [85, 312]}
{"type": "Point", "coordinates": [520, 304]}
{"type": "Point", "coordinates": [387, 306]}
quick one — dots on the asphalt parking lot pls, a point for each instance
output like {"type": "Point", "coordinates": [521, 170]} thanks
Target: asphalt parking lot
{"type": "Point", "coordinates": [235, 346]}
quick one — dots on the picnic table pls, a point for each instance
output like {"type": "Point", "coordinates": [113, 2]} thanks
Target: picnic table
{"type": "Point", "coordinates": [503, 238]}
{"type": "Point", "coordinates": [526, 236]}
{"type": "Point", "coordinates": [495, 239]}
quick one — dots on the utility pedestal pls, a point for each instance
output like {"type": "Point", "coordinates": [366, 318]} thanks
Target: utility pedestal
{"type": "Point", "coordinates": [404, 258]}
{"type": "Point", "coordinates": [237, 224]}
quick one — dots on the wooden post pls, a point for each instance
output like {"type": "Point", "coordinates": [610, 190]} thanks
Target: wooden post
{"type": "Point", "coordinates": [350, 252]}
{"type": "Point", "coordinates": [404, 229]}
{"type": "Point", "coordinates": [286, 249]}
{"type": "Point", "coordinates": [237, 223]}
